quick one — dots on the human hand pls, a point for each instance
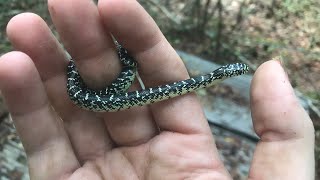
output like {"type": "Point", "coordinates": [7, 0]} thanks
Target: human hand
{"type": "Point", "coordinates": [166, 140]}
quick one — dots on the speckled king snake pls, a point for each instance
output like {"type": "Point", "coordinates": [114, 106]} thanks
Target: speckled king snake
{"type": "Point", "coordinates": [115, 97]}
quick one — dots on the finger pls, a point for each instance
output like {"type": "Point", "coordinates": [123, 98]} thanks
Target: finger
{"type": "Point", "coordinates": [79, 25]}
{"type": "Point", "coordinates": [38, 126]}
{"type": "Point", "coordinates": [285, 150]}
{"type": "Point", "coordinates": [92, 48]}
{"type": "Point", "coordinates": [86, 132]}
{"type": "Point", "coordinates": [158, 63]}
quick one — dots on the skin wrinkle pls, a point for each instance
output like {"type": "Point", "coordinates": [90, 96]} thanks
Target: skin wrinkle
{"type": "Point", "coordinates": [175, 152]}
{"type": "Point", "coordinates": [204, 173]}
{"type": "Point", "coordinates": [177, 64]}
{"type": "Point", "coordinates": [120, 154]}
{"type": "Point", "coordinates": [82, 172]}
{"type": "Point", "coordinates": [15, 90]}
{"type": "Point", "coordinates": [287, 134]}
{"type": "Point", "coordinates": [50, 141]}
{"type": "Point", "coordinates": [137, 141]}
{"type": "Point", "coordinates": [150, 49]}
{"type": "Point", "coordinates": [28, 22]}
{"type": "Point", "coordinates": [194, 125]}
{"type": "Point", "coordinates": [98, 168]}
{"type": "Point", "coordinates": [137, 129]}
{"type": "Point", "coordinates": [131, 162]}
{"type": "Point", "coordinates": [72, 125]}
{"type": "Point", "coordinates": [85, 157]}
{"type": "Point", "coordinates": [32, 110]}
{"type": "Point", "coordinates": [64, 113]}
{"type": "Point", "coordinates": [46, 146]}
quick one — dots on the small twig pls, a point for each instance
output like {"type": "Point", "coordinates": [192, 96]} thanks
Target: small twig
{"type": "Point", "coordinates": [140, 81]}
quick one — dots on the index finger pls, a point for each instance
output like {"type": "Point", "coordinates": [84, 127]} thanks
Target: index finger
{"type": "Point", "coordinates": [158, 64]}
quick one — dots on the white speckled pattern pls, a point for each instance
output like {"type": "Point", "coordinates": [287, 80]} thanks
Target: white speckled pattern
{"type": "Point", "coordinates": [115, 97]}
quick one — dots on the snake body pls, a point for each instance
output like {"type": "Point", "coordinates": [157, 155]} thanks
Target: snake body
{"type": "Point", "coordinates": [115, 97]}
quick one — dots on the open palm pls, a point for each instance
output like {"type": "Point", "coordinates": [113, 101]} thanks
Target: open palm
{"type": "Point", "coordinates": [166, 140]}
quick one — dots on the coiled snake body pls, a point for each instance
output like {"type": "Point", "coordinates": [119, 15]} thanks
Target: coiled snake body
{"type": "Point", "coordinates": [115, 97]}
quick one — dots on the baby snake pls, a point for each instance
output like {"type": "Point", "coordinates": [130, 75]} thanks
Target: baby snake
{"type": "Point", "coordinates": [115, 97]}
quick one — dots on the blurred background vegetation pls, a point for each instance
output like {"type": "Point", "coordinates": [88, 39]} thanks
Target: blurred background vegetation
{"type": "Point", "coordinates": [251, 31]}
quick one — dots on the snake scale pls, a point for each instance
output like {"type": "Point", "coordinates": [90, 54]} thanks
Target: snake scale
{"type": "Point", "coordinates": [115, 97]}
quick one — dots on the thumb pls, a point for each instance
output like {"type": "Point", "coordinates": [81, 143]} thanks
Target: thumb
{"type": "Point", "coordinates": [285, 150]}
